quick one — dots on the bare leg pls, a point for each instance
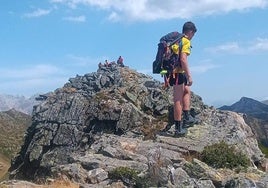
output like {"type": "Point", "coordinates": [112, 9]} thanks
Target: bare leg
{"type": "Point", "coordinates": [178, 92]}
{"type": "Point", "coordinates": [186, 98]}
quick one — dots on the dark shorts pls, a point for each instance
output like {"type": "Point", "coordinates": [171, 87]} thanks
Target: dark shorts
{"type": "Point", "coordinates": [177, 79]}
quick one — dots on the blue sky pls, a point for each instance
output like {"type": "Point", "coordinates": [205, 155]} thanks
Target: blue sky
{"type": "Point", "coordinates": [44, 43]}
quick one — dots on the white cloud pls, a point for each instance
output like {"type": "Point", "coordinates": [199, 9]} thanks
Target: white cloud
{"type": "Point", "coordinates": [257, 45]}
{"type": "Point", "coordinates": [260, 44]}
{"type": "Point", "coordinates": [38, 71]}
{"type": "Point", "coordinates": [29, 87]}
{"type": "Point", "coordinates": [203, 68]}
{"type": "Point", "coordinates": [231, 47]}
{"type": "Point", "coordinates": [85, 61]}
{"type": "Point", "coordinates": [37, 13]}
{"type": "Point", "coordinates": [158, 9]}
{"type": "Point", "coordinates": [32, 80]}
{"type": "Point", "coordinates": [114, 17]}
{"type": "Point", "coordinates": [57, 1]}
{"type": "Point", "coordinates": [75, 18]}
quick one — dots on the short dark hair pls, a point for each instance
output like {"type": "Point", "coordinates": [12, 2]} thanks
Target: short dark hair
{"type": "Point", "coordinates": [188, 26]}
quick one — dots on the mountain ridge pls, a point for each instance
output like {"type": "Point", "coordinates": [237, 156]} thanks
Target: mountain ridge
{"type": "Point", "coordinates": [255, 115]}
{"type": "Point", "coordinates": [249, 106]}
{"type": "Point", "coordinates": [19, 103]}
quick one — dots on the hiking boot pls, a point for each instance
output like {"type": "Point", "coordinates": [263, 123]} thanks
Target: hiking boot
{"type": "Point", "coordinates": [188, 119]}
{"type": "Point", "coordinates": [180, 133]}
{"type": "Point", "coordinates": [189, 122]}
{"type": "Point", "coordinates": [179, 130]}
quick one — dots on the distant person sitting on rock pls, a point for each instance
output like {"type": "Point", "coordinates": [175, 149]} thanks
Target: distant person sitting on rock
{"type": "Point", "coordinates": [100, 64]}
{"type": "Point", "coordinates": [107, 64]}
{"type": "Point", "coordinates": [120, 61]}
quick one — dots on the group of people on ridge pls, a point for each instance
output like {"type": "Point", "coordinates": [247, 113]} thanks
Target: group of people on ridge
{"type": "Point", "coordinates": [119, 62]}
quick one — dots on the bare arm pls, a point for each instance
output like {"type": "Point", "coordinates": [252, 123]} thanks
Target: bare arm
{"type": "Point", "coordinates": [185, 67]}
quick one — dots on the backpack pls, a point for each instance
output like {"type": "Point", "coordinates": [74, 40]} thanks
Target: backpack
{"type": "Point", "coordinates": [168, 53]}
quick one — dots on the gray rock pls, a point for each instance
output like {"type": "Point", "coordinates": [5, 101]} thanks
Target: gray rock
{"type": "Point", "coordinates": [111, 118]}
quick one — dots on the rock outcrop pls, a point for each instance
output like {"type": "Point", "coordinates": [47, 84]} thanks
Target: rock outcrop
{"type": "Point", "coordinates": [110, 118]}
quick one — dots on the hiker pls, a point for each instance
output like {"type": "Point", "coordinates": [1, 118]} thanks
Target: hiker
{"type": "Point", "coordinates": [100, 65]}
{"type": "Point", "coordinates": [120, 61]}
{"type": "Point", "coordinates": [181, 80]}
{"type": "Point", "coordinates": [107, 64]}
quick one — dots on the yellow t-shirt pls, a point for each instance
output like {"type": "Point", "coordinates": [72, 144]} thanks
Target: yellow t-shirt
{"type": "Point", "coordinates": [186, 46]}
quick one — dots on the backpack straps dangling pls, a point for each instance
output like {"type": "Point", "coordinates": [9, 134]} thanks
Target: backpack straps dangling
{"type": "Point", "coordinates": [166, 81]}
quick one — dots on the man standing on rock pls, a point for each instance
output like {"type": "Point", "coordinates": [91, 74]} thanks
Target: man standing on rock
{"type": "Point", "coordinates": [181, 84]}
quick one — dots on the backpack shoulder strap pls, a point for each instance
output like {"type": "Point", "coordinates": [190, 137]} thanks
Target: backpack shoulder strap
{"type": "Point", "coordinates": [171, 38]}
{"type": "Point", "coordinates": [178, 38]}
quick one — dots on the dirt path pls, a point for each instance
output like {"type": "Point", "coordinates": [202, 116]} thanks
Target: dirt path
{"type": "Point", "coordinates": [4, 165]}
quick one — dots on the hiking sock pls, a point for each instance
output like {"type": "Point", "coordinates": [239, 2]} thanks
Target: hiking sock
{"type": "Point", "coordinates": [179, 130]}
{"type": "Point", "coordinates": [186, 114]}
{"type": "Point", "coordinates": [177, 126]}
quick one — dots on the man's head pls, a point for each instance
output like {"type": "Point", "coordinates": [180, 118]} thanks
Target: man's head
{"type": "Point", "coordinates": [189, 29]}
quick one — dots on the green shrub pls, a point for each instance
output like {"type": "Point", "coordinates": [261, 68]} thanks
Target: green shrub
{"type": "Point", "coordinates": [221, 155]}
{"type": "Point", "coordinates": [264, 149]}
{"type": "Point", "coordinates": [129, 177]}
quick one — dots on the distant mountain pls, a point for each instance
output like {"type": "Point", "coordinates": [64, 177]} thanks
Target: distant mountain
{"type": "Point", "coordinates": [256, 116]}
{"type": "Point", "coordinates": [265, 102]}
{"type": "Point", "coordinates": [250, 107]}
{"type": "Point", "coordinates": [20, 103]}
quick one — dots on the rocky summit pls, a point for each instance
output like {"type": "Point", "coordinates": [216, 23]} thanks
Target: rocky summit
{"type": "Point", "coordinates": [111, 118]}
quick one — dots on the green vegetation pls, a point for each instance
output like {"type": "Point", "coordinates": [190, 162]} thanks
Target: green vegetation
{"type": "Point", "coordinates": [129, 177]}
{"type": "Point", "coordinates": [13, 125]}
{"type": "Point", "coordinates": [264, 149]}
{"type": "Point", "coordinates": [221, 155]}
